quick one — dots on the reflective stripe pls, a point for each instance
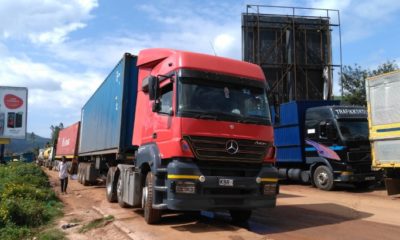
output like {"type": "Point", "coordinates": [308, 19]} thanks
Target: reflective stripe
{"type": "Point", "coordinates": [347, 173]}
{"type": "Point", "coordinates": [173, 176]}
{"type": "Point", "coordinates": [388, 130]}
{"type": "Point", "coordinates": [334, 148]}
{"type": "Point", "coordinates": [269, 180]}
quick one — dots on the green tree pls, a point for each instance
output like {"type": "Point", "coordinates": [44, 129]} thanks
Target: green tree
{"type": "Point", "coordinates": [353, 81]}
{"type": "Point", "coordinates": [54, 133]}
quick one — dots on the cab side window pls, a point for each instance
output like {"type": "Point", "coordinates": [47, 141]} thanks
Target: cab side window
{"type": "Point", "coordinates": [166, 98]}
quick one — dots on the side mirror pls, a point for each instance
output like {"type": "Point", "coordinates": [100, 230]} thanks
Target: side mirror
{"type": "Point", "coordinates": [154, 87]}
{"type": "Point", "coordinates": [322, 130]}
{"type": "Point", "coordinates": [331, 131]}
{"type": "Point", "coordinates": [156, 105]}
{"type": "Point", "coordinates": [327, 130]}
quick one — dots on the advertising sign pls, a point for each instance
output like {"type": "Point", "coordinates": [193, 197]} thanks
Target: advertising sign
{"type": "Point", "coordinates": [13, 111]}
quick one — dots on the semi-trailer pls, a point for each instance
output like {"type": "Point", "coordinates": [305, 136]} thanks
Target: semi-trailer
{"type": "Point", "coordinates": [382, 93]}
{"type": "Point", "coordinates": [181, 131]}
{"type": "Point", "coordinates": [67, 146]}
{"type": "Point", "coordinates": [324, 143]}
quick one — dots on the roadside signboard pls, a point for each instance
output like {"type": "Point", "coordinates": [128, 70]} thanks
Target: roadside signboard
{"type": "Point", "coordinates": [13, 112]}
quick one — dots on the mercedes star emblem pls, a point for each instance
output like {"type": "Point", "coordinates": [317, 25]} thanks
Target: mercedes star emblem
{"type": "Point", "coordinates": [232, 147]}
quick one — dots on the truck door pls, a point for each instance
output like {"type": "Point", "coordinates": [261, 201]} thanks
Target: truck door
{"type": "Point", "coordinates": [319, 128]}
{"type": "Point", "coordinates": [162, 126]}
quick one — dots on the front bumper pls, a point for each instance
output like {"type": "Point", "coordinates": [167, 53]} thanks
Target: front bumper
{"type": "Point", "coordinates": [245, 193]}
{"type": "Point", "coordinates": [351, 177]}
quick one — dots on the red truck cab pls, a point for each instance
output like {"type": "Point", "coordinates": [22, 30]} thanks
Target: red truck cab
{"type": "Point", "coordinates": [204, 134]}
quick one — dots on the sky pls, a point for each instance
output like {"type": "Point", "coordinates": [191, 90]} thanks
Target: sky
{"type": "Point", "coordinates": [63, 50]}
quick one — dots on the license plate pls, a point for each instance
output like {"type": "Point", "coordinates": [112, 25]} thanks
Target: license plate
{"type": "Point", "coordinates": [226, 182]}
{"type": "Point", "coordinates": [370, 178]}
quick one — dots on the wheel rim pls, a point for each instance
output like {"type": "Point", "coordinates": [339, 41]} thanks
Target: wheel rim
{"type": "Point", "coordinates": [119, 188]}
{"type": "Point", "coordinates": [322, 178]}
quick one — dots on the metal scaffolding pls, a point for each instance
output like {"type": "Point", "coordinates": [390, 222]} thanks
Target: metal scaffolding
{"type": "Point", "coordinates": [294, 50]}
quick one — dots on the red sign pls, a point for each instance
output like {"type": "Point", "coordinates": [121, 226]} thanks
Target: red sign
{"type": "Point", "coordinates": [12, 102]}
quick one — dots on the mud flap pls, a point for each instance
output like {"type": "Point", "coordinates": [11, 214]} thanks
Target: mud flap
{"type": "Point", "coordinates": [392, 186]}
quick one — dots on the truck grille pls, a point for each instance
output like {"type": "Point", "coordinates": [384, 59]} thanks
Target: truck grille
{"type": "Point", "coordinates": [359, 156]}
{"type": "Point", "coordinates": [216, 149]}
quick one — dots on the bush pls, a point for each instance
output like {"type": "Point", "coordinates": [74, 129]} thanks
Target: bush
{"type": "Point", "coordinates": [26, 200]}
{"type": "Point", "coordinates": [13, 232]}
{"type": "Point", "coordinates": [52, 234]}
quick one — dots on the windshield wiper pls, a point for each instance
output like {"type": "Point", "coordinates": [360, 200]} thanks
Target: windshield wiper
{"type": "Point", "coordinates": [206, 116]}
{"type": "Point", "coordinates": [248, 121]}
{"type": "Point", "coordinates": [201, 114]}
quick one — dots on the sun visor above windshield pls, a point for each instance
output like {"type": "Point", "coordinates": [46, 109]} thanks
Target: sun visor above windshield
{"type": "Point", "coordinates": [350, 112]}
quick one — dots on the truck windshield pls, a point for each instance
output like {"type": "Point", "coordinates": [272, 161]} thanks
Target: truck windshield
{"type": "Point", "coordinates": [354, 129]}
{"type": "Point", "coordinates": [217, 100]}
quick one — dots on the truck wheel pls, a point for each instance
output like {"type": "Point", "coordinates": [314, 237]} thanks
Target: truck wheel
{"type": "Point", "coordinates": [84, 182]}
{"type": "Point", "coordinates": [151, 215]}
{"type": "Point", "coordinates": [120, 189]}
{"type": "Point", "coordinates": [111, 189]}
{"type": "Point", "coordinates": [79, 176]}
{"type": "Point", "coordinates": [323, 178]}
{"type": "Point", "coordinates": [240, 216]}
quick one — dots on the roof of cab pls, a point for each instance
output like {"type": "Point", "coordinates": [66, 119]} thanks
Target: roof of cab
{"type": "Point", "coordinates": [174, 59]}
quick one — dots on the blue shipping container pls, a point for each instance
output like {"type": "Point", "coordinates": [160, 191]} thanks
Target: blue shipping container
{"type": "Point", "coordinates": [289, 133]}
{"type": "Point", "coordinates": [107, 117]}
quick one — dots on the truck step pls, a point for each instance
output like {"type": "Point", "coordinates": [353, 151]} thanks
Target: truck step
{"type": "Point", "coordinates": [160, 206]}
{"type": "Point", "coordinates": [160, 188]}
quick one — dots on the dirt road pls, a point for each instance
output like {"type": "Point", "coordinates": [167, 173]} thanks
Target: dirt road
{"type": "Point", "coordinates": [302, 213]}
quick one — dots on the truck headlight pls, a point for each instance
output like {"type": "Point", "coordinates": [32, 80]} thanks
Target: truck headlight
{"type": "Point", "coordinates": [185, 187]}
{"type": "Point", "coordinates": [269, 189]}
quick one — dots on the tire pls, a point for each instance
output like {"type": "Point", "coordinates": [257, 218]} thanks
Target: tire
{"type": "Point", "coordinates": [79, 176]}
{"type": "Point", "coordinates": [111, 188]}
{"type": "Point", "coordinates": [151, 215]}
{"type": "Point", "coordinates": [84, 183]}
{"type": "Point", "coordinates": [323, 178]}
{"type": "Point", "coordinates": [240, 216]}
{"type": "Point", "coordinates": [120, 192]}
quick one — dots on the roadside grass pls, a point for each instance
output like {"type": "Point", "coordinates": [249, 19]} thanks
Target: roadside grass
{"type": "Point", "coordinates": [51, 234]}
{"type": "Point", "coordinates": [27, 202]}
{"type": "Point", "coordinates": [96, 223]}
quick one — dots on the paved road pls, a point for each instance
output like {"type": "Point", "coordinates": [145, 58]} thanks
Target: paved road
{"type": "Point", "coordinates": [302, 213]}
